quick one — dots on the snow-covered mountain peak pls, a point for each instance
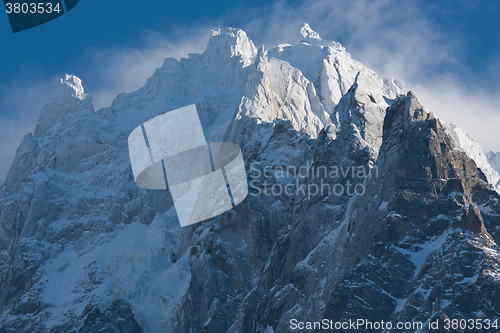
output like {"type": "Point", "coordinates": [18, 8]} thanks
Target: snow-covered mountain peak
{"type": "Point", "coordinates": [69, 101]}
{"type": "Point", "coordinates": [311, 37]}
{"type": "Point", "coordinates": [329, 67]}
{"type": "Point", "coordinates": [69, 87]}
{"type": "Point", "coordinates": [308, 33]}
{"type": "Point", "coordinates": [227, 45]}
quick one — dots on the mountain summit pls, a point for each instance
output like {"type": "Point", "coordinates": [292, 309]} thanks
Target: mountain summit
{"type": "Point", "coordinates": [362, 205]}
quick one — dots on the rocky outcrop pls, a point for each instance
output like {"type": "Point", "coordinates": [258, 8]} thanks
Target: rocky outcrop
{"type": "Point", "coordinates": [417, 245]}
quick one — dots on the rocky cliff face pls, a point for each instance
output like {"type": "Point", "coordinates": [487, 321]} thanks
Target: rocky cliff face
{"type": "Point", "coordinates": [420, 244]}
{"type": "Point", "coordinates": [361, 205]}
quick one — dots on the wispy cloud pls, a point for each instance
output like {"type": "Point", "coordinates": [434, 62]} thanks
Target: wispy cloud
{"type": "Point", "coordinates": [475, 111]}
{"type": "Point", "coordinates": [122, 70]}
{"type": "Point", "coordinates": [394, 37]}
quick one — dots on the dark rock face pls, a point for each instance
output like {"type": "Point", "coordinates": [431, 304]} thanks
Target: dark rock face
{"type": "Point", "coordinates": [418, 246]}
{"type": "Point", "coordinates": [116, 317]}
{"type": "Point", "coordinates": [427, 253]}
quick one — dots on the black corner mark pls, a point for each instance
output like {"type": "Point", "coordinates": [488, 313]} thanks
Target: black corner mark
{"type": "Point", "coordinates": [70, 4]}
{"type": "Point", "coordinates": [24, 14]}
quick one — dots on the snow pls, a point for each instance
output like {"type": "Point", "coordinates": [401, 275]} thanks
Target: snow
{"type": "Point", "coordinates": [470, 280]}
{"type": "Point", "coordinates": [486, 210]}
{"type": "Point", "coordinates": [474, 151]}
{"type": "Point", "coordinates": [419, 257]}
{"type": "Point", "coordinates": [135, 264]}
{"type": "Point", "coordinates": [228, 45]}
{"type": "Point", "coordinates": [494, 160]}
{"type": "Point", "coordinates": [311, 37]}
{"type": "Point", "coordinates": [445, 303]}
{"type": "Point", "coordinates": [70, 86]}
{"type": "Point", "coordinates": [400, 304]}
{"type": "Point", "coordinates": [383, 205]}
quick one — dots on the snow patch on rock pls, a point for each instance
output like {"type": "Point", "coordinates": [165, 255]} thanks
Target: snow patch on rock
{"type": "Point", "coordinates": [494, 160]}
{"type": "Point", "coordinates": [473, 149]}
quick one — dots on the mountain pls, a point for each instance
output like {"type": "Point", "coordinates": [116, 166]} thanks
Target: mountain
{"type": "Point", "coordinates": [494, 160]}
{"type": "Point", "coordinates": [473, 149]}
{"type": "Point", "coordinates": [361, 205]}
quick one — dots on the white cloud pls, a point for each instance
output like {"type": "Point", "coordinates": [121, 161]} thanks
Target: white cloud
{"type": "Point", "coordinates": [394, 37]}
{"type": "Point", "coordinates": [476, 112]}
{"type": "Point", "coordinates": [121, 70]}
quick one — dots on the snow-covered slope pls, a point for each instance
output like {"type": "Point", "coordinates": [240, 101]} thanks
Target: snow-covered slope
{"type": "Point", "coordinates": [474, 151]}
{"type": "Point", "coordinates": [329, 67]}
{"type": "Point", "coordinates": [494, 160]}
{"type": "Point", "coordinates": [83, 249]}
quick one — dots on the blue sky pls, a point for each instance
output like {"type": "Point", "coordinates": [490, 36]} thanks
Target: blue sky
{"type": "Point", "coordinates": [447, 51]}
